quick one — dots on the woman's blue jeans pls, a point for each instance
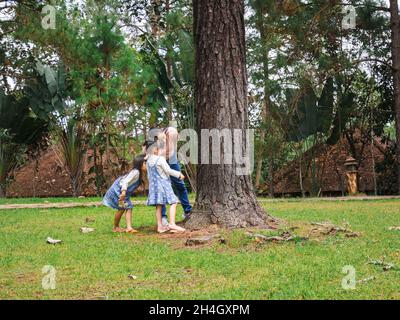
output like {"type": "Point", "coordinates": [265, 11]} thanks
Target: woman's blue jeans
{"type": "Point", "coordinates": [180, 190]}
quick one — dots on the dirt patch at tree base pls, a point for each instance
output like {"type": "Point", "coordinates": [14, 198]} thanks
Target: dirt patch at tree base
{"type": "Point", "coordinates": [233, 239]}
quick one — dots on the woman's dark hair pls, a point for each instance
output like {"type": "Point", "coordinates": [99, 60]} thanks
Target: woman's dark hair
{"type": "Point", "coordinates": [137, 164]}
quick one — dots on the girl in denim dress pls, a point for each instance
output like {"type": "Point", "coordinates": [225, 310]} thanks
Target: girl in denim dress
{"type": "Point", "coordinates": [160, 188]}
{"type": "Point", "coordinates": [118, 196]}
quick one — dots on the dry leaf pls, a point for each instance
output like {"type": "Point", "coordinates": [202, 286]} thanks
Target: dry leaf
{"type": "Point", "coordinates": [385, 266]}
{"type": "Point", "coordinates": [86, 230]}
{"type": "Point", "coordinates": [53, 241]}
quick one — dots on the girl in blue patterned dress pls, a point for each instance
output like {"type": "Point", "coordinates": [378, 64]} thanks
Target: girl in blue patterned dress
{"type": "Point", "coordinates": [160, 188]}
{"type": "Point", "coordinates": [118, 196]}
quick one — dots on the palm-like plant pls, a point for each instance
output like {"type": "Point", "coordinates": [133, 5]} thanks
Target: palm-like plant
{"type": "Point", "coordinates": [311, 117]}
{"type": "Point", "coordinates": [72, 150]}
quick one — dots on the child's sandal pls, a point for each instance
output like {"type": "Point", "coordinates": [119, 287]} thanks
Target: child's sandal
{"type": "Point", "coordinates": [163, 230]}
{"type": "Point", "coordinates": [131, 231]}
{"type": "Point", "coordinates": [177, 229]}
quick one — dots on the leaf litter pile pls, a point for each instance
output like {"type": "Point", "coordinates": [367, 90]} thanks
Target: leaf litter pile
{"type": "Point", "coordinates": [316, 231]}
{"type": "Point", "coordinates": [329, 229]}
{"type": "Point", "coordinates": [385, 265]}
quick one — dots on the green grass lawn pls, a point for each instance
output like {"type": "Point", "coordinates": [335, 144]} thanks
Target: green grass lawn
{"type": "Point", "coordinates": [4, 201]}
{"type": "Point", "coordinates": [97, 265]}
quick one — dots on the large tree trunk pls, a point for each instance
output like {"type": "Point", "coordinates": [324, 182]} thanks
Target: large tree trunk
{"type": "Point", "coordinates": [223, 197]}
{"type": "Point", "coordinates": [395, 26]}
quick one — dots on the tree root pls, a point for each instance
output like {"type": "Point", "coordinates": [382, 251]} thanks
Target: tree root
{"type": "Point", "coordinates": [328, 228]}
{"type": "Point", "coordinates": [285, 236]}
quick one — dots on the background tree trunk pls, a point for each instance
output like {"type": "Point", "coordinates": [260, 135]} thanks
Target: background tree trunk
{"type": "Point", "coordinates": [257, 179]}
{"type": "Point", "coordinates": [395, 26]}
{"type": "Point", "coordinates": [264, 110]}
{"type": "Point", "coordinates": [2, 190]}
{"type": "Point", "coordinates": [264, 113]}
{"type": "Point", "coordinates": [223, 197]}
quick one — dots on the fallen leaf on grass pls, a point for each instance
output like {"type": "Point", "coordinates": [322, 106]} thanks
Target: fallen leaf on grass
{"type": "Point", "coordinates": [394, 228]}
{"type": "Point", "coordinates": [86, 230]}
{"type": "Point", "coordinates": [53, 241]}
{"type": "Point", "coordinates": [385, 265]}
{"type": "Point", "coordinates": [132, 277]}
{"type": "Point", "coordinates": [89, 220]}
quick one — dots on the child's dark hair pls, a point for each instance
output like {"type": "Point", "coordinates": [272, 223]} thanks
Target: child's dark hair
{"type": "Point", "coordinates": [151, 144]}
{"type": "Point", "coordinates": [137, 164]}
{"type": "Point", "coordinates": [148, 143]}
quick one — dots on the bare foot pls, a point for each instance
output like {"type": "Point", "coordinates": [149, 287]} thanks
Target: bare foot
{"type": "Point", "coordinates": [163, 229]}
{"type": "Point", "coordinates": [118, 229]}
{"type": "Point", "coordinates": [176, 228]}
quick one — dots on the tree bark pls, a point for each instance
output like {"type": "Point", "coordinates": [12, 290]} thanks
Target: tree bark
{"type": "Point", "coordinates": [155, 16]}
{"type": "Point", "coordinates": [395, 26]}
{"type": "Point", "coordinates": [303, 194]}
{"type": "Point", "coordinates": [223, 197]}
